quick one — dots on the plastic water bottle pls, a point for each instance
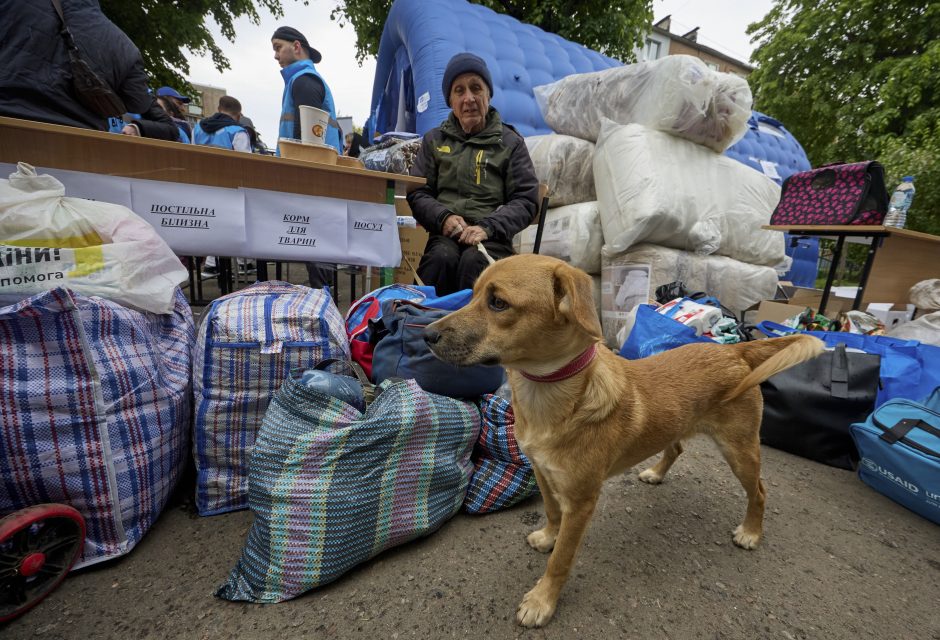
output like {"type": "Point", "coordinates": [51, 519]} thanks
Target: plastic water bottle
{"type": "Point", "coordinates": [347, 389]}
{"type": "Point", "coordinates": [900, 202]}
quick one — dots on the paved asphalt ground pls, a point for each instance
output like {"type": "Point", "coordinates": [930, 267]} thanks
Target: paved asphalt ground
{"type": "Point", "coordinates": [837, 561]}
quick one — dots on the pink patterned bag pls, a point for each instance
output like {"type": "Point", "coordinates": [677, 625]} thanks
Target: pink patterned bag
{"type": "Point", "coordinates": [834, 194]}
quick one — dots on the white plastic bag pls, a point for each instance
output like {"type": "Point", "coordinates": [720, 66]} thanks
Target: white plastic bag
{"type": "Point", "coordinates": [653, 187]}
{"type": "Point", "coordinates": [94, 248]}
{"type": "Point", "coordinates": [566, 165]}
{"type": "Point", "coordinates": [572, 233]}
{"type": "Point", "coordinates": [675, 94]}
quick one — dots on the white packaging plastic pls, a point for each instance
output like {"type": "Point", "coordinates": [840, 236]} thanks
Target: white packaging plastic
{"type": "Point", "coordinates": [735, 284]}
{"type": "Point", "coordinates": [701, 317]}
{"type": "Point", "coordinates": [94, 248]}
{"type": "Point", "coordinates": [572, 233]}
{"type": "Point", "coordinates": [656, 188]}
{"type": "Point", "coordinates": [925, 329]}
{"type": "Point", "coordinates": [566, 165]}
{"type": "Point", "coordinates": [926, 294]}
{"type": "Point", "coordinates": [675, 94]}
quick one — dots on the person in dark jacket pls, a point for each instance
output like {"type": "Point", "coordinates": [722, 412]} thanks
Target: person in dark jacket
{"type": "Point", "coordinates": [36, 79]}
{"type": "Point", "coordinates": [353, 145]}
{"type": "Point", "coordinates": [182, 124]}
{"type": "Point", "coordinates": [481, 185]}
{"type": "Point", "coordinates": [222, 129]}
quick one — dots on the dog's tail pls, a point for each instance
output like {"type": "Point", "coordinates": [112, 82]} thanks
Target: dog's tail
{"type": "Point", "coordinates": [769, 357]}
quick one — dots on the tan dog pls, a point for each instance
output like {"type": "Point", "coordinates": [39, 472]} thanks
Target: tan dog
{"type": "Point", "coordinates": [584, 414]}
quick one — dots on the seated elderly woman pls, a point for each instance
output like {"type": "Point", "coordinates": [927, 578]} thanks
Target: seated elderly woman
{"type": "Point", "coordinates": [481, 186]}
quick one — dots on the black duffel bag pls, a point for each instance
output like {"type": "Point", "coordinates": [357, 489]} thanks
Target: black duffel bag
{"type": "Point", "coordinates": [809, 408]}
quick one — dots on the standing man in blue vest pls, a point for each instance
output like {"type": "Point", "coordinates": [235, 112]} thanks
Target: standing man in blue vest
{"type": "Point", "coordinates": [303, 85]}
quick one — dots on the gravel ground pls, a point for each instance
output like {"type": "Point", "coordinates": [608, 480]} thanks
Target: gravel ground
{"type": "Point", "coordinates": [837, 561]}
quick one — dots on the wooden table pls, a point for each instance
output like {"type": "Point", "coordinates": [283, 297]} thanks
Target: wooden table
{"type": "Point", "coordinates": [897, 259]}
{"type": "Point", "coordinates": [74, 149]}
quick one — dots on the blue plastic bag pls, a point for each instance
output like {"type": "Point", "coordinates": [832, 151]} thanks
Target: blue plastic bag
{"type": "Point", "coordinates": [909, 369]}
{"type": "Point", "coordinates": [654, 333]}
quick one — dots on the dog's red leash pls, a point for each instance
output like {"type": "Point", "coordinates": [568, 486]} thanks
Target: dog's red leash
{"type": "Point", "coordinates": [572, 368]}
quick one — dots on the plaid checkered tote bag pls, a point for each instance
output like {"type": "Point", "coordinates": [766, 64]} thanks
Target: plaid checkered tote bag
{"type": "Point", "coordinates": [94, 411]}
{"type": "Point", "coordinates": [331, 487]}
{"type": "Point", "coordinates": [502, 475]}
{"type": "Point", "coordinates": [248, 342]}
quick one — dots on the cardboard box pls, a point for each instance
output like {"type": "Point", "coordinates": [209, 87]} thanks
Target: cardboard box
{"type": "Point", "coordinates": [813, 297]}
{"type": "Point", "coordinates": [413, 241]}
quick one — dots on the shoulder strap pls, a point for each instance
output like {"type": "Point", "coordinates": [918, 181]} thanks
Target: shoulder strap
{"type": "Point", "coordinates": [64, 31]}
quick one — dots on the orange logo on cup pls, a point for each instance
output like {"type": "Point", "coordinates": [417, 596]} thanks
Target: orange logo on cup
{"type": "Point", "coordinates": [318, 130]}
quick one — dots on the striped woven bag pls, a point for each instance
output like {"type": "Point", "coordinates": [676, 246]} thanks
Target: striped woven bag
{"type": "Point", "coordinates": [94, 412]}
{"type": "Point", "coordinates": [331, 487]}
{"type": "Point", "coordinates": [248, 342]}
{"type": "Point", "coordinates": [502, 474]}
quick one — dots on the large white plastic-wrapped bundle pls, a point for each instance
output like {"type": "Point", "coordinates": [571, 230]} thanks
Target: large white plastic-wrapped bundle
{"type": "Point", "coordinates": [737, 285]}
{"type": "Point", "coordinates": [566, 165]}
{"type": "Point", "coordinates": [572, 233]}
{"type": "Point", "coordinates": [653, 187]}
{"type": "Point", "coordinates": [93, 248]}
{"type": "Point", "coordinates": [675, 94]}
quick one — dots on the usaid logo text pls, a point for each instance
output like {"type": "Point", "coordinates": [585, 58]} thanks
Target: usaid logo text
{"type": "Point", "coordinates": [362, 225]}
{"type": "Point", "coordinates": [874, 467]}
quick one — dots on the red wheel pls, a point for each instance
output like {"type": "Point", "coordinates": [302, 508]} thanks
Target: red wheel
{"type": "Point", "coordinates": [38, 546]}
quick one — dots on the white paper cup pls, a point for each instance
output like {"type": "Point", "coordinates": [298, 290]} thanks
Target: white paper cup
{"type": "Point", "coordinates": [313, 123]}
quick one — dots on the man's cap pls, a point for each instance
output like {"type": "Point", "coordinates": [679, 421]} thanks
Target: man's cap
{"type": "Point", "coordinates": [170, 92]}
{"type": "Point", "coordinates": [465, 63]}
{"type": "Point", "coordinates": [290, 34]}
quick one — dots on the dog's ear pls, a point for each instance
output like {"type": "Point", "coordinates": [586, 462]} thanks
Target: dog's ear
{"type": "Point", "coordinates": [574, 300]}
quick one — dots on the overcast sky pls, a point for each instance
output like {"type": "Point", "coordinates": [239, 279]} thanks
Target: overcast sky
{"type": "Point", "coordinates": [255, 79]}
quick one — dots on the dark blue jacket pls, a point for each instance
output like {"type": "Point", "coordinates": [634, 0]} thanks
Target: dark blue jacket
{"type": "Point", "coordinates": [35, 77]}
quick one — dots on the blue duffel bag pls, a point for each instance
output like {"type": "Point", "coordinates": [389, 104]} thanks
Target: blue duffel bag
{"type": "Point", "coordinates": [899, 446]}
{"type": "Point", "coordinates": [403, 353]}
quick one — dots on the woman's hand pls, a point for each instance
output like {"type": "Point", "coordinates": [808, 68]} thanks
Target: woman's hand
{"type": "Point", "coordinates": [454, 226]}
{"type": "Point", "coordinates": [473, 235]}
{"type": "Point", "coordinates": [130, 130]}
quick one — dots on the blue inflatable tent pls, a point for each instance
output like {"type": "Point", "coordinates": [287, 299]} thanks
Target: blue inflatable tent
{"type": "Point", "coordinates": [768, 147]}
{"type": "Point", "coordinates": [420, 36]}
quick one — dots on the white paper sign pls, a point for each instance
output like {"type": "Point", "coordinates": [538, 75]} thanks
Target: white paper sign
{"type": "Point", "coordinates": [195, 220]}
{"type": "Point", "coordinates": [290, 226]}
{"type": "Point", "coordinates": [90, 186]}
{"type": "Point", "coordinates": [373, 235]}
{"type": "Point", "coordinates": [93, 186]}
{"type": "Point", "coordinates": [6, 169]}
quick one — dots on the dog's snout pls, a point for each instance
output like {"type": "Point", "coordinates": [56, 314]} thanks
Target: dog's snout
{"type": "Point", "coordinates": [431, 336]}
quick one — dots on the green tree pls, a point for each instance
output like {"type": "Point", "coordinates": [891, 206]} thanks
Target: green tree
{"type": "Point", "coordinates": [855, 80]}
{"type": "Point", "coordinates": [162, 30]}
{"type": "Point", "coordinates": [613, 28]}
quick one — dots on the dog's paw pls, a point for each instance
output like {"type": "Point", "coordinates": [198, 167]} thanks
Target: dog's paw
{"type": "Point", "coordinates": [744, 539]}
{"type": "Point", "coordinates": [542, 540]}
{"type": "Point", "coordinates": [535, 609]}
{"type": "Point", "coordinates": [650, 477]}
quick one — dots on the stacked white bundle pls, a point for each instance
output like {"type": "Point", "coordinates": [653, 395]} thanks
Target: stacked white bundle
{"type": "Point", "coordinates": [571, 233]}
{"type": "Point", "coordinates": [653, 187]}
{"type": "Point", "coordinates": [675, 94]}
{"type": "Point", "coordinates": [566, 165]}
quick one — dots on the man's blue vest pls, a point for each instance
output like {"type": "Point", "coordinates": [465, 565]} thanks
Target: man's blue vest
{"type": "Point", "coordinates": [286, 130]}
{"type": "Point", "coordinates": [224, 137]}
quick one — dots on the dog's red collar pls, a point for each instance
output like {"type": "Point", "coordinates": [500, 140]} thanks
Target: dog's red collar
{"type": "Point", "coordinates": [572, 368]}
